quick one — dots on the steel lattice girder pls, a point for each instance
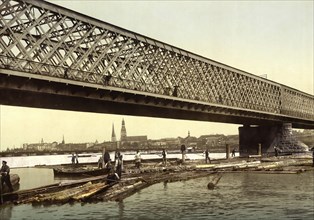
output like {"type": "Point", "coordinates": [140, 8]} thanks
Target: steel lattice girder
{"type": "Point", "coordinates": [41, 38]}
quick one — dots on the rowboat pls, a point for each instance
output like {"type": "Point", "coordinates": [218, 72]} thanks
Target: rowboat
{"type": "Point", "coordinates": [80, 171]}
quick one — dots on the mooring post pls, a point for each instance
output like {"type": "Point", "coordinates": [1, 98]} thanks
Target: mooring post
{"type": "Point", "coordinates": [259, 149]}
{"type": "Point", "coordinates": [227, 151]}
{"type": "Point", "coordinates": [103, 158]}
{"type": "Point", "coordinates": [183, 149]}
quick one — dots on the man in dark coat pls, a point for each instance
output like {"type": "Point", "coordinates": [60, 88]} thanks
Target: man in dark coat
{"type": "Point", "coordinates": [106, 158]}
{"type": "Point", "coordinates": [5, 175]}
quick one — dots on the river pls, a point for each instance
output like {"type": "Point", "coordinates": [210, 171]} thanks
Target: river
{"type": "Point", "coordinates": [237, 196]}
{"type": "Point", "coordinates": [30, 161]}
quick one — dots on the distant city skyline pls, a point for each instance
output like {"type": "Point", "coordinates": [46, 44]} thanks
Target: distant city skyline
{"type": "Point", "coordinates": [81, 127]}
{"type": "Point", "coordinates": [260, 37]}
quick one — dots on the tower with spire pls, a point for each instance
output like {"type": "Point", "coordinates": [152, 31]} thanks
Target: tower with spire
{"type": "Point", "coordinates": [123, 131]}
{"type": "Point", "coordinates": [113, 135]}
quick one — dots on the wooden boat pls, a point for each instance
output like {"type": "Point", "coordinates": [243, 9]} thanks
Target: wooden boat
{"type": "Point", "coordinates": [80, 171]}
{"type": "Point", "coordinates": [15, 181]}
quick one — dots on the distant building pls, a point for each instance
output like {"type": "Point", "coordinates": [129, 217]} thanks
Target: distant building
{"type": "Point", "coordinates": [40, 146]}
{"type": "Point", "coordinates": [190, 142]}
{"type": "Point", "coordinates": [113, 135]}
{"type": "Point", "coordinates": [63, 142]}
{"type": "Point", "coordinates": [135, 141]}
{"type": "Point", "coordinates": [123, 131]}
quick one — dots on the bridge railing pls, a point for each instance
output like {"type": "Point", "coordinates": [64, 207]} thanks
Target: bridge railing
{"type": "Point", "coordinates": [64, 72]}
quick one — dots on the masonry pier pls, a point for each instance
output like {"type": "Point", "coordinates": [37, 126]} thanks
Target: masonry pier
{"type": "Point", "coordinates": [258, 140]}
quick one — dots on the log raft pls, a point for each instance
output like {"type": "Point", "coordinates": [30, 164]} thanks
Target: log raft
{"type": "Point", "coordinates": [95, 188]}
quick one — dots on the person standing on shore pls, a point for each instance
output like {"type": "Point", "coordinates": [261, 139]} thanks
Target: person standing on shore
{"type": "Point", "coordinates": [5, 175]}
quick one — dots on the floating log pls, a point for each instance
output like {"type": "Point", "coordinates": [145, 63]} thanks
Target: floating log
{"type": "Point", "coordinates": [238, 165]}
{"type": "Point", "coordinates": [76, 193]}
{"type": "Point", "coordinates": [214, 181]}
{"type": "Point", "coordinates": [263, 171]}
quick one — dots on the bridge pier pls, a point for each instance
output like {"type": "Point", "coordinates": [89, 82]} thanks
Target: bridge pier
{"type": "Point", "coordinates": [261, 140]}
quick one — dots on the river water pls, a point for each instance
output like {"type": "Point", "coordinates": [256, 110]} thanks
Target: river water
{"type": "Point", "coordinates": [237, 196]}
{"type": "Point", "coordinates": [30, 161]}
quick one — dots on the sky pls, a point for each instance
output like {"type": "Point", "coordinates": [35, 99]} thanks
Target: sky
{"type": "Point", "coordinates": [260, 37]}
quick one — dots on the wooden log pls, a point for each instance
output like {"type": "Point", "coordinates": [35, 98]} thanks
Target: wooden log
{"type": "Point", "coordinates": [264, 171]}
{"type": "Point", "coordinates": [25, 196]}
{"type": "Point", "coordinates": [247, 165]}
{"type": "Point", "coordinates": [90, 192]}
{"type": "Point", "coordinates": [211, 185]}
{"type": "Point", "coordinates": [75, 193]}
{"type": "Point", "coordinates": [239, 165]}
{"type": "Point", "coordinates": [270, 165]}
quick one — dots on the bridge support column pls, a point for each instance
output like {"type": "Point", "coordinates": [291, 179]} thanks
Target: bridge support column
{"type": "Point", "coordinates": [259, 140]}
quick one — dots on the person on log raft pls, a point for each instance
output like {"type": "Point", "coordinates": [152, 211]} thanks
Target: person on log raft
{"type": "Point", "coordinates": [137, 159]}
{"type": "Point", "coordinates": [207, 158]}
{"type": "Point", "coordinates": [107, 159]}
{"type": "Point", "coordinates": [118, 165]}
{"type": "Point", "coordinates": [73, 158]}
{"type": "Point", "coordinates": [112, 177]}
{"type": "Point", "coordinates": [5, 175]}
{"type": "Point", "coordinates": [164, 157]}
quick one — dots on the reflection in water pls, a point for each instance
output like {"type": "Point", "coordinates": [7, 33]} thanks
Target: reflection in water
{"type": "Point", "coordinates": [165, 185]}
{"type": "Point", "coordinates": [121, 209]}
{"type": "Point", "coordinates": [6, 212]}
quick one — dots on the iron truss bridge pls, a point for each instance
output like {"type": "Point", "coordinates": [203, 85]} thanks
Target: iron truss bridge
{"type": "Point", "coordinates": [53, 57]}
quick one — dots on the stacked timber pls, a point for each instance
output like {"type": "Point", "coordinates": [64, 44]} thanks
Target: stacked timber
{"type": "Point", "coordinates": [81, 192]}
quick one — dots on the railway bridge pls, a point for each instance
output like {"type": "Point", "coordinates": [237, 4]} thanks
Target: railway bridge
{"type": "Point", "coordinates": [53, 57]}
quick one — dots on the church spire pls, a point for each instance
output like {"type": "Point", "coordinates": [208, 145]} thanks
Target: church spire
{"type": "Point", "coordinates": [113, 134]}
{"type": "Point", "coordinates": [123, 131]}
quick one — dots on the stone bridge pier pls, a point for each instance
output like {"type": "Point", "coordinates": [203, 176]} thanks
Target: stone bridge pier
{"type": "Point", "coordinates": [251, 137]}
